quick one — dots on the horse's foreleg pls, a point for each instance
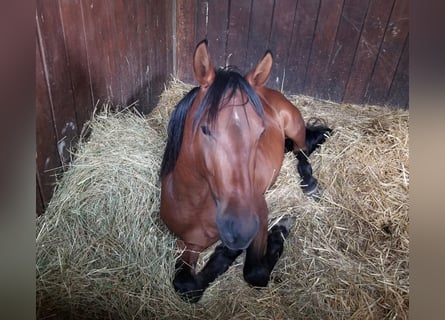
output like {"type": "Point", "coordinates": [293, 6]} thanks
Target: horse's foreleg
{"type": "Point", "coordinates": [191, 286]}
{"type": "Point", "coordinates": [258, 266]}
{"type": "Point", "coordinates": [220, 260]}
{"type": "Point", "coordinates": [185, 281]}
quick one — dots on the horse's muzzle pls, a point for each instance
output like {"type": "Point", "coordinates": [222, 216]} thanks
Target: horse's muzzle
{"type": "Point", "coordinates": [237, 231]}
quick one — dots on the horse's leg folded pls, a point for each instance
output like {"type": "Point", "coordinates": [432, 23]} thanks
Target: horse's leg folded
{"type": "Point", "coordinates": [315, 136]}
{"type": "Point", "coordinates": [192, 286]}
{"type": "Point", "coordinates": [221, 259]}
{"type": "Point", "coordinates": [257, 268]}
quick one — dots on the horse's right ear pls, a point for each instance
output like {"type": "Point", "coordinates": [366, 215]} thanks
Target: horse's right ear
{"type": "Point", "coordinates": [202, 67]}
{"type": "Point", "coordinates": [257, 77]}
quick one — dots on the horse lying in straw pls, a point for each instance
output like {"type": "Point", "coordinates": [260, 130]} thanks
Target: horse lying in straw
{"type": "Point", "coordinates": [224, 150]}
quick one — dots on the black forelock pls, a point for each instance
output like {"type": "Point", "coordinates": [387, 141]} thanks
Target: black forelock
{"type": "Point", "coordinates": [227, 80]}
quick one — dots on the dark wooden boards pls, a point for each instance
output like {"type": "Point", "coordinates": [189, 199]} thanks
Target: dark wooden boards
{"type": "Point", "coordinates": [90, 52]}
{"type": "Point", "coordinates": [340, 50]}
{"type": "Point", "coordinates": [389, 55]}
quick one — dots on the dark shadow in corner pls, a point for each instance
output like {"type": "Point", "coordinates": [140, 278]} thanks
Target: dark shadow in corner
{"type": "Point", "coordinates": [146, 97]}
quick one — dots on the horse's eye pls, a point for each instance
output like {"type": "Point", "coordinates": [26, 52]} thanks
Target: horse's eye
{"type": "Point", "coordinates": [205, 130]}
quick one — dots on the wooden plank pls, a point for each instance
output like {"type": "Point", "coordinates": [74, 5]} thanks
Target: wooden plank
{"type": "Point", "coordinates": [146, 18]}
{"type": "Point", "coordinates": [238, 32]}
{"type": "Point", "coordinates": [149, 70]}
{"type": "Point", "coordinates": [300, 45]}
{"type": "Point", "coordinates": [156, 58]}
{"type": "Point", "coordinates": [164, 48]}
{"type": "Point", "coordinates": [125, 54]}
{"type": "Point", "coordinates": [168, 21]}
{"type": "Point", "coordinates": [162, 32]}
{"type": "Point", "coordinates": [399, 93]}
{"type": "Point", "coordinates": [47, 157]}
{"type": "Point", "coordinates": [259, 31]}
{"type": "Point", "coordinates": [217, 32]}
{"type": "Point", "coordinates": [95, 50]}
{"type": "Point", "coordinates": [57, 76]}
{"type": "Point", "coordinates": [322, 47]}
{"type": "Point", "coordinates": [74, 40]}
{"type": "Point", "coordinates": [113, 49]}
{"type": "Point", "coordinates": [348, 34]}
{"type": "Point", "coordinates": [280, 38]}
{"type": "Point", "coordinates": [142, 89]}
{"type": "Point", "coordinates": [185, 36]}
{"type": "Point", "coordinates": [130, 44]}
{"type": "Point", "coordinates": [389, 55]}
{"type": "Point", "coordinates": [99, 46]}
{"type": "Point", "coordinates": [202, 19]}
{"type": "Point", "coordinates": [367, 50]}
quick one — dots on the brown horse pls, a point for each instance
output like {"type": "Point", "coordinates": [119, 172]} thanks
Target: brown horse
{"type": "Point", "coordinates": [225, 148]}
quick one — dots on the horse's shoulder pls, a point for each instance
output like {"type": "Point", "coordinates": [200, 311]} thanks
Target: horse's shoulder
{"type": "Point", "coordinates": [277, 107]}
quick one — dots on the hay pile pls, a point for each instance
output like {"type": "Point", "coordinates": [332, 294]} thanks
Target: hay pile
{"type": "Point", "coordinates": [102, 251]}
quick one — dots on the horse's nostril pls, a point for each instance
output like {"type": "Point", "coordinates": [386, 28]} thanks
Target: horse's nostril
{"type": "Point", "coordinates": [237, 230]}
{"type": "Point", "coordinates": [229, 237]}
{"type": "Point", "coordinates": [227, 233]}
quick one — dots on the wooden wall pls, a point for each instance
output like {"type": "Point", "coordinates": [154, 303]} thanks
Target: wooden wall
{"type": "Point", "coordinates": [342, 50]}
{"type": "Point", "coordinates": [92, 51]}
{"type": "Point", "coordinates": [89, 51]}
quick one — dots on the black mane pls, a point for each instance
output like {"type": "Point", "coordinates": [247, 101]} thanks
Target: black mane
{"type": "Point", "coordinates": [226, 80]}
{"type": "Point", "coordinates": [175, 131]}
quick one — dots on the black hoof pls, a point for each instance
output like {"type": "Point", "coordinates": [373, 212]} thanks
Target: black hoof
{"type": "Point", "coordinates": [188, 291]}
{"type": "Point", "coordinates": [258, 277]}
{"type": "Point", "coordinates": [191, 296]}
{"type": "Point", "coordinates": [314, 193]}
{"type": "Point", "coordinates": [186, 284]}
{"type": "Point", "coordinates": [286, 222]}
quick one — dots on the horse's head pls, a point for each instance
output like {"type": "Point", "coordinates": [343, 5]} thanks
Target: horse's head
{"type": "Point", "coordinates": [228, 124]}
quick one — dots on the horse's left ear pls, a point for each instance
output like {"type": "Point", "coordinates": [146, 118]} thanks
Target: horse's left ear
{"type": "Point", "coordinates": [202, 67]}
{"type": "Point", "coordinates": [257, 77]}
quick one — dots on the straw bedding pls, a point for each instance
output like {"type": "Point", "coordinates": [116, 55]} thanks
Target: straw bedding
{"type": "Point", "coordinates": [102, 251]}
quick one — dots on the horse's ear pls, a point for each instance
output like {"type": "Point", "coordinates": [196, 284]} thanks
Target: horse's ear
{"type": "Point", "coordinates": [202, 67]}
{"type": "Point", "coordinates": [257, 77]}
